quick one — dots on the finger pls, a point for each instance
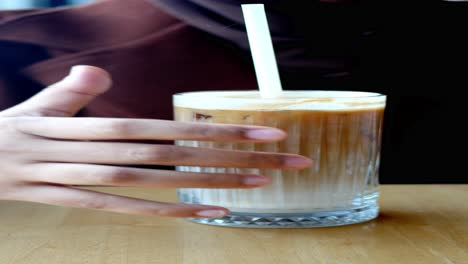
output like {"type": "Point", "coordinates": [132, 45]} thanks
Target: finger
{"type": "Point", "coordinates": [86, 174]}
{"type": "Point", "coordinates": [148, 154]}
{"type": "Point", "coordinates": [135, 129]}
{"type": "Point", "coordinates": [66, 97]}
{"type": "Point", "coordinates": [79, 198]}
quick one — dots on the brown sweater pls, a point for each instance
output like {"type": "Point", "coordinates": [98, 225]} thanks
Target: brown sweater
{"type": "Point", "coordinates": [150, 55]}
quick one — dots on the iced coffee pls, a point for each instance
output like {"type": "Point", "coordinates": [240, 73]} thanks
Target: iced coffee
{"type": "Point", "coordinates": [339, 131]}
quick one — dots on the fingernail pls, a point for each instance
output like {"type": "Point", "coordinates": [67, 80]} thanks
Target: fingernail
{"type": "Point", "coordinates": [255, 181]}
{"type": "Point", "coordinates": [211, 213]}
{"type": "Point", "coordinates": [265, 134]}
{"type": "Point", "coordinates": [75, 73]}
{"type": "Point", "coordinates": [297, 162]}
{"type": "Point", "coordinates": [77, 69]}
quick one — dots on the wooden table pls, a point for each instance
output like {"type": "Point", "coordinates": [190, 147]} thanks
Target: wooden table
{"type": "Point", "coordinates": [418, 224]}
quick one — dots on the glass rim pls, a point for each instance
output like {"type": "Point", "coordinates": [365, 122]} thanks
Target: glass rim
{"type": "Point", "coordinates": [358, 94]}
{"type": "Point", "coordinates": [291, 100]}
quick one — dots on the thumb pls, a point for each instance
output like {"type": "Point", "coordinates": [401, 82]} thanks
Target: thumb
{"type": "Point", "coordinates": [67, 97]}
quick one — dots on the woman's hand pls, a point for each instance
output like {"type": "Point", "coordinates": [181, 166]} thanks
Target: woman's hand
{"type": "Point", "coordinates": [45, 154]}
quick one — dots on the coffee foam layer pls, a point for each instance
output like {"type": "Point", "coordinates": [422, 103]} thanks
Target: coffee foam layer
{"type": "Point", "coordinates": [290, 100]}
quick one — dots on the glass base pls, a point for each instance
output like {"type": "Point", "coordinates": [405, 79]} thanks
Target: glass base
{"type": "Point", "coordinates": [303, 220]}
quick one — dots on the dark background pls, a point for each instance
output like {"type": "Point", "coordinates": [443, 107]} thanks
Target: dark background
{"type": "Point", "coordinates": [417, 54]}
{"type": "Point", "coordinates": [421, 63]}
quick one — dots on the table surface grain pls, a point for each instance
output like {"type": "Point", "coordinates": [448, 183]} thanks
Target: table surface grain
{"type": "Point", "coordinates": [418, 224]}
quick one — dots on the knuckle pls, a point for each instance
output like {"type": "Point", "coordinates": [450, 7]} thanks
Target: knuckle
{"type": "Point", "coordinates": [266, 160]}
{"type": "Point", "coordinates": [44, 111]}
{"type": "Point", "coordinates": [160, 212]}
{"type": "Point", "coordinates": [210, 132]}
{"type": "Point", "coordinates": [213, 181]}
{"type": "Point", "coordinates": [121, 128]}
{"type": "Point", "coordinates": [164, 211]}
{"type": "Point", "coordinates": [147, 154]}
{"type": "Point", "coordinates": [172, 153]}
{"type": "Point", "coordinates": [117, 176]}
{"type": "Point", "coordinates": [93, 203]}
{"type": "Point", "coordinates": [237, 132]}
{"type": "Point", "coordinates": [158, 154]}
{"type": "Point", "coordinates": [281, 161]}
{"type": "Point", "coordinates": [277, 160]}
{"type": "Point", "coordinates": [150, 210]}
{"type": "Point", "coordinates": [201, 131]}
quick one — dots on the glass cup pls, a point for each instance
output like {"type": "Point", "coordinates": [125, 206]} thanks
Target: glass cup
{"type": "Point", "coordinates": [340, 131]}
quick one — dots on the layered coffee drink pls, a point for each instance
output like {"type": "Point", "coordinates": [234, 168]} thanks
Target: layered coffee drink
{"type": "Point", "coordinates": [339, 131]}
